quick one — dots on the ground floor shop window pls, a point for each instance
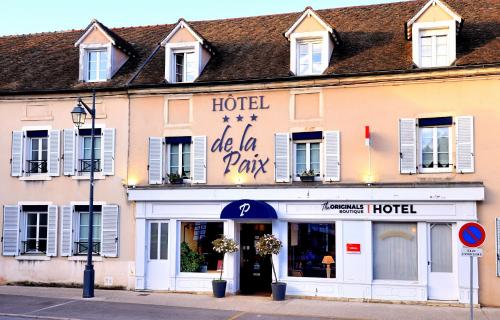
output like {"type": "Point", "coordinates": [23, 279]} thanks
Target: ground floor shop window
{"type": "Point", "coordinates": [395, 251]}
{"type": "Point", "coordinates": [311, 250]}
{"type": "Point", "coordinates": [197, 253]}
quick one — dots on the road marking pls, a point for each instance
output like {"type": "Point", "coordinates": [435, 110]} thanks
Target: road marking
{"type": "Point", "coordinates": [27, 316]}
{"type": "Point", "coordinates": [50, 307]}
{"type": "Point", "coordinates": [236, 316]}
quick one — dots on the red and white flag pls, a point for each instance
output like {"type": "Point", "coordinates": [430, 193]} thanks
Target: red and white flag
{"type": "Point", "coordinates": [367, 136]}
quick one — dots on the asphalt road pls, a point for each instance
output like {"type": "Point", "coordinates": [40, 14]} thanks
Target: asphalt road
{"type": "Point", "coordinates": [15, 307]}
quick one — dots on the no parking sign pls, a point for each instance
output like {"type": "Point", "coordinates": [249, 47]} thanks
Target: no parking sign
{"type": "Point", "coordinates": [472, 235]}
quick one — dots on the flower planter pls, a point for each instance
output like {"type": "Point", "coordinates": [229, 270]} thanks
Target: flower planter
{"type": "Point", "coordinates": [279, 290]}
{"type": "Point", "coordinates": [219, 288]}
{"type": "Point", "coordinates": [307, 178]}
{"type": "Point", "coordinates": [177, 181]}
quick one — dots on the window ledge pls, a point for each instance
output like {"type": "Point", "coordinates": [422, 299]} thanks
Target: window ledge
{"type": "Point", "coordinates": [36, 178]}
{"type": "Point", "coordinates": [97, 176]}
{"type": "Point", "coordinates": [210, 275]}
{"type": "Point", "coordinates": [310, 279]}
{"type": "Point", "coordinates": [33, 257]}
{"type": "Point", "coordinates": [84, 258]}
{"type": "Point", "coordinates": [396, 282]}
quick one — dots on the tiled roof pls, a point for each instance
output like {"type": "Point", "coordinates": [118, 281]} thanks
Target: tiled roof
{"type": "Point", "coordinates": [250, 48]}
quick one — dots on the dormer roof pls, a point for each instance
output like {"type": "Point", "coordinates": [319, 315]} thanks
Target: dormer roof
{"type": "Point", "coordinates": [447, 9]}
{"type": "Point", "coordinates": [115, 39]}
{"type": "Point", "coordinates": [183, 24]}
{"type": "Point", "coordinates": [309, 12]}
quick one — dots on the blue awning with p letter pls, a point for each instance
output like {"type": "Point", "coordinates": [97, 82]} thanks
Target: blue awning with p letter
{"type": "Point", "coordinates": [248, 209]}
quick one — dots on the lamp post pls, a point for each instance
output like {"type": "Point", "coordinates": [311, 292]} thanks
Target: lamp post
{"type": "Point", "coordinates": [78, 115]}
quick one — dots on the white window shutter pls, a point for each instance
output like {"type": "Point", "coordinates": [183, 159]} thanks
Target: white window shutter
{"type": "Point", "coordinates": [52, 231]}
{"type": "Point", "coordinates": [67, 231]}
{"type": "Point", "coordinates": [199, 159]}
{"type": "Point", "coordinates": [69, 151]}
{"type": "Point", "coordinates": [54, 152]}
{"type": "Point", "coordinates": [408, 146]}
{"type": "Point", "coordinates": [282, 157]}
{"type": "Point", "coordinates": [465, 144]}
{"type": "Point", "coordinates": [17, 154]}
{"type": "Point", "coordinates": [332, 156]}
{"type": "Point", "coordinates": [108, 153]}
{"type": "Point", "coordinates": [11, 215]}
{"type": "Point", "coordinates": [155, 164]}
{"type": "Point", "coordinates": [498, 245]}
{"type": "Point", "coordinates": [109, 237]}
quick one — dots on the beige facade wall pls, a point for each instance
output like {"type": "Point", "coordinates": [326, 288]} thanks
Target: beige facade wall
{"type": "Point", "coordinates": [112, 112]}
{"type": "Point", "coordinates": [309, 24]}
{"type": "Point", "coordinates": [348, 109]}
{"type": "Point", "coordinates": [96, 37]}
{"type": "Point", "coordinates": [182, 35]}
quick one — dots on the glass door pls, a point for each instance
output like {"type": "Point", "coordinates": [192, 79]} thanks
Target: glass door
{"type": "Point", "coordinates": [157, 256]}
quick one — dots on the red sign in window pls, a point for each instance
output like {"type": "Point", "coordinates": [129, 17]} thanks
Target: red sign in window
{"type": "Point", "coordinates": [353, 248]}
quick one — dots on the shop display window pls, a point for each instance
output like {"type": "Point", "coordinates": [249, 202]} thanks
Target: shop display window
{"type": "Point", "coordinates": [197, 253]}
{"type": "Point", "coordinates": [395, 251]}
{"type": "Point", "coordinates": [311, 250]}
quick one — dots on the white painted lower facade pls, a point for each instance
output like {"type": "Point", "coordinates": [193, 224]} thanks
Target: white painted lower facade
{"type": "Point", "coordinates": [452, 206]}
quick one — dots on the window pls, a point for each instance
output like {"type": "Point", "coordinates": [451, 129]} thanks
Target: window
{"type": "Point", "coordinates": [185, 66]}
{"type": "Point", "coordinates": [37, 161]}
{"type": "Point", "coordinates": [311, 250]}
{"type": "Point", "coordinates": [158, 241]}
{"type": "Point", "coordinates": [81, 217]}
{"type": "Point", "coordinates": [35, 236]}
{"type": "Point", "coordinates": [434, 49]}
{"type": "Point", "coordinates": [86, 155]}
{"type": "Point", "coordinates": [435, 146]}
{"type": "Point", "coordinates": [309, 57]}
{"type": "Point", "coordinates": [97, 61]}
{"type": "Point", "coordinates": [197, 253]}
{"type": "Point", "coordinates": [395, 251]}
{"type": "Point", "coordinates": [179, 159]}
{"type": "Point", "coordinates": [307, 158]}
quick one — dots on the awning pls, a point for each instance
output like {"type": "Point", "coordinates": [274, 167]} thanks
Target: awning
{"type": "Point", "coordinates": [248, 209]}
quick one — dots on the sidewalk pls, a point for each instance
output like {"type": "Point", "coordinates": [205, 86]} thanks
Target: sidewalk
{"type": "Point", "coordinates": [264, 305]}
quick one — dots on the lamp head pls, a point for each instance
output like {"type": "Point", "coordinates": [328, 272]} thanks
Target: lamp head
{"type": "Point", "coordinates": [78, 115]}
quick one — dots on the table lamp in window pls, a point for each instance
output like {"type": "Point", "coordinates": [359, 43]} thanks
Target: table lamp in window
{"type": "Point", "coordinates": [328, 260]}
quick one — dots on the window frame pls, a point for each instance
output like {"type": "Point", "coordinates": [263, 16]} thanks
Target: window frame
{"type": "Point", "coordinates": [87, 70]}
{"type": "Point", "coordinates": [435, 152]}
{"type": "Point", "coordinates": [309, 42]}
{"type": "Point", "coordinates": [180, 162]}
{"type": "Point", "coordinates": [160, 223]}
{"type": "Point", "coordinates": [447, 27]}
{"type": "Point", "coordinates": [40, 151]}
{"type": "Point", "coordinates": [433, 34]}
{"type": "Point", "coordinates": [81, 152]}
{"type": "Point", "coordinates": [77, 237]}
{"type": "Point", "coordinates": [296, 175]}
{"type": "Point", "coordinates": [184, 52]}
{"type": "Point", "coordinates": [25, 226]}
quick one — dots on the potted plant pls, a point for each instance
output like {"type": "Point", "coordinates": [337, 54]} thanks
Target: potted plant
{"type": "Point", "coordinates": [267, 245]}
{"type": "Point", "coordinates": [307, 176]}
{"type": "Point", "coordinates": [175, 178]}
{"type": "Point", "coordinates": [222, 245]}
{"type": "Point", "coordinates": [190, 260]}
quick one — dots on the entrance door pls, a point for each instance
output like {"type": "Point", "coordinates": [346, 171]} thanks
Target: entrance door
{"type": "Point", "coordinates": [443, 283]}
{"type": "Point", "coordinates": [255, 271]}
{"type": "Point", "coordinates": [157, 256]}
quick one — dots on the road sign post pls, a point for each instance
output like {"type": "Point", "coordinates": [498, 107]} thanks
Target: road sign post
{"type": "Point", "coordinates": [472, 235]}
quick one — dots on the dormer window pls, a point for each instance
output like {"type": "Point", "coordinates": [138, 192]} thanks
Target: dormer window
{"type": "Point", "coordinates": [97, 65]}
{"type": "Point", "coordinates": [309, 58]}
{"type": "Point", "coordinates": [433, 33]}
{"type": "Point", "coordinates": [311, 44]}
{"type": "Point", "coordinates": [185, 66]}
{"type": "Point", "coordinates": [102, 53]}
{"type": "Point", "coordinates": [186, 54]}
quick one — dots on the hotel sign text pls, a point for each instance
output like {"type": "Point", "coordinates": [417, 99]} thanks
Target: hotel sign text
{"type": "Point", "coordinates": [364, 209]}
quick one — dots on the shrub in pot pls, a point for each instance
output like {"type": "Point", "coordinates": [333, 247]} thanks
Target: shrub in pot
{"type": "Point", "coordinates": [222, 245]}
{"type": "Point", "coordinates": [267, 245]}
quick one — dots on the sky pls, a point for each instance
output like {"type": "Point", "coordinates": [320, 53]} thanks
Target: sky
{"type": "Point", "coordinates": [32, 16]}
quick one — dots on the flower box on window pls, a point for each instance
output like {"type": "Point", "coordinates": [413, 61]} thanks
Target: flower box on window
{"type": "Point", "coordinates": [307, 176]}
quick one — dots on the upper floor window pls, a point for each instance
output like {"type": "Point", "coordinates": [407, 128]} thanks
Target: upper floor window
{"type": "Point", "coordinates": [307, 158]}
{"type": "Point", "coordinates": [82, 243]}
{"type": "Point", "coordinates": [185, 66]}
{"type": "Point", "coordinates": [433, 49]}
{"type": "Point", "coordinates": [179, 160]}
{"type": "Point", "coordinates": [435, 146]}
{"type": "Point", "coordinates": [309, 57]}
{"type": "Point", "coordinates": [37, 152]}
{"type": "Point", "coordinates": [97, 61]}
{"type": "Point", "coordinates": [86, 151]}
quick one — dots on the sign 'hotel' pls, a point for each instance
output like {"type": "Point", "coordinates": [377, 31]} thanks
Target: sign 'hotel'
{"type": "Point", "coordinates": [258, 125]}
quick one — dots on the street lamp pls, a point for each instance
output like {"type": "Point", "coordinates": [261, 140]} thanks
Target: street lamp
{"type": "Point", "coordinates": [78, 116]}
